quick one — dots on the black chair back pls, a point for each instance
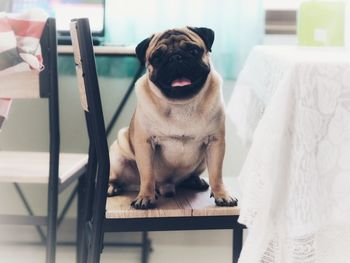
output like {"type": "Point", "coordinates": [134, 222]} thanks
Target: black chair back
{"type": "Point", "coordinates": [98, 164]}
{"type": "Point", "coordinates": [49, 89]}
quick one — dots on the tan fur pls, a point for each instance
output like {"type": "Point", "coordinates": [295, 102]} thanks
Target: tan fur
{"type": "Point", "coordinates": [171, 139]}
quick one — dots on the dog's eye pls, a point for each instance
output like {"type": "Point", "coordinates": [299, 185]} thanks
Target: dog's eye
{"type": "Point", "coordinates": [194, 51]}
{"type": "Point", "coordinates": [155, 59]}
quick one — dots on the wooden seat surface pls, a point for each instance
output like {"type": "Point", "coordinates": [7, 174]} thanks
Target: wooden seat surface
{"type": "Point", "coordinates": [33, 167]}
{"type": "Point", "coordinates": [185, 203]}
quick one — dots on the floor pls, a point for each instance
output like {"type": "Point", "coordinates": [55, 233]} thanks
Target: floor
{"type": "Point", "coordinates": [170, 247]}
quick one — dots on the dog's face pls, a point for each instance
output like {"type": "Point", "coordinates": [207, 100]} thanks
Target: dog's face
{"type": "Point", "coordinates": [177, 60]}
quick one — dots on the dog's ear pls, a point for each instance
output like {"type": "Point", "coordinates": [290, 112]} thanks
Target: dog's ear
{"type": "Point", "coordinates": [206, 34]}
{"type": "Point", "coordinates": [141, 49]}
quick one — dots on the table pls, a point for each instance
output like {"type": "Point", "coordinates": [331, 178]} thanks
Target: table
{"type": "Point", "coordinates": [118, 51]}
{"type": "Point", "coordinates": [291, 105]}
{"type": "Point", "coordinates": [101, 50]}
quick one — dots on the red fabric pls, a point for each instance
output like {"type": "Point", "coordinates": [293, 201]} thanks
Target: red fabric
{"type": "Point", "coordinates": [27, 28]}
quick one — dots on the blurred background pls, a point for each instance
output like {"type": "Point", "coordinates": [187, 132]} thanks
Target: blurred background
{"type": "Point", "coordinates": [238, 24]}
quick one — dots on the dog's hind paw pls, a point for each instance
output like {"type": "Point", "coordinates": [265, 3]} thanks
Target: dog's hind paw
{"type": "Point", "coordinates": [167, 190]}
{"type": "Point", "coordinates": [114, 189]}
{"type": "Point", "coordinates": [194, 182]}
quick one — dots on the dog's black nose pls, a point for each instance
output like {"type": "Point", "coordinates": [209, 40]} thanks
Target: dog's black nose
{"type": "Point", "coordinates": [175, 57]}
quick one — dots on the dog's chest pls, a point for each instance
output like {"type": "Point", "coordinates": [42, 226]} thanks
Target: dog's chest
{"type": "Point", "coordinates": [179, 134]}
{"type": "Point", "coordinates": [176, 146]}
{"type": "Point", "coordinates": [180, 140]}
{"type": "Point", "coordinates": [178, 152]}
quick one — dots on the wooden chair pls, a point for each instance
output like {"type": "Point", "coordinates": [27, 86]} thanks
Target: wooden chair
{"type": "Point", "coordinates": [57, 170]}
{"type": "Point", "coordinates": [187, 211]}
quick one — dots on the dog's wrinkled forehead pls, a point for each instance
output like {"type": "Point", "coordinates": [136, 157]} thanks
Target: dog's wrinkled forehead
{"type": "Point", "coordinates": [173, 39]}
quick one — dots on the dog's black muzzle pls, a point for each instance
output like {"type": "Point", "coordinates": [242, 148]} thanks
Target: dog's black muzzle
{"type": "Point", "coordinates": [179, 74]}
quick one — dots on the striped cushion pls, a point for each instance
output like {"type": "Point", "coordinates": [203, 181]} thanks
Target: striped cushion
{"type": "Point", "coordinates": [19, 51]}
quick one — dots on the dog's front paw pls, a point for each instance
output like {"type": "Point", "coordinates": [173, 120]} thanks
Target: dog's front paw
{"type": "Point", "coordinates": [144, 202]}
{"type": "Point", "coordinates": [224, 199]}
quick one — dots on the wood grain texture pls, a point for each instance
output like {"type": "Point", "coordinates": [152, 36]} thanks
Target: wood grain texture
{"type": "Point", "coordinates": [33, 167]}
{"type": "Point", "coordinates": [185, 203]}
{"type": "Point", "coordinates": [102, 50]}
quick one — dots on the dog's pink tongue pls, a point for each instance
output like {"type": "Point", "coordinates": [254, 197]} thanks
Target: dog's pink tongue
{"type": "Point", "coordinates": [181, 82]}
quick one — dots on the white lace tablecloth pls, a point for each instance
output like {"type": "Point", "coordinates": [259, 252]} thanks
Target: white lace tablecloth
{"type": "Point", "coordinates": [291, 105]}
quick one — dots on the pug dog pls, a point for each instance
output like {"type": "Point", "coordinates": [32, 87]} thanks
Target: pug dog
{"type": "Point", "coordinates": [178, 128]}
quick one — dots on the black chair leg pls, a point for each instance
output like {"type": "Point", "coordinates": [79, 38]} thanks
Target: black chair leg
{"type": "Point", "coordinates": [94, 250]}
{"type": "Point", "coordinates": [81, 244]}
{"type": "Point", "coordinates": [237, 243]}
{"type": "Point", "coordinates": [146, 247]}
{"type": "Point", "coordinates": [51, 227]}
